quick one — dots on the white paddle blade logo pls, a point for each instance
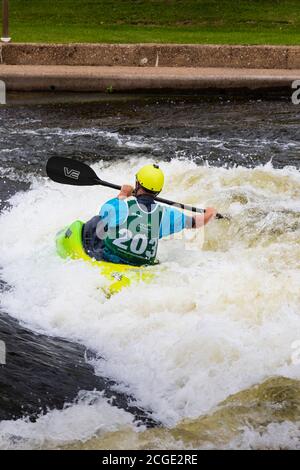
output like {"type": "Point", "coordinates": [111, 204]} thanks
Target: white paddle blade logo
{"type": "Point", "coordinates": [70, 173]}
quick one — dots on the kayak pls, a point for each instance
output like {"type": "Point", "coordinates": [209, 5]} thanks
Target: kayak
{"type": "Point", "coordinates": [69, 245]}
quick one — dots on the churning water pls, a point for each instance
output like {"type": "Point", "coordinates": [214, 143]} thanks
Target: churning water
{"type": "Point", "coordinates": [211, 346]}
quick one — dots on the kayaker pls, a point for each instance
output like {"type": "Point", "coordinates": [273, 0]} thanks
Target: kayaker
{"type": "Point", "coordinates": [127, 230]}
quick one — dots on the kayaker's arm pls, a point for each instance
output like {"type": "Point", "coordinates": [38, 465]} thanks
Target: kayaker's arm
{"type": "Point", "coordinates": [175, 220]}
{"type": "Point", "coordinates": [112, 213]}
{"type": "Point", "coordinates": [126, 191]}
{"type": "Point", "coordinates": [202, 219]}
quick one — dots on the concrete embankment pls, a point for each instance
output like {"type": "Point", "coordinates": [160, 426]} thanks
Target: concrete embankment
{"type": "Point", "coordinates": [115, 67]}
{"type": "Point", "coordinates": [111, 79]}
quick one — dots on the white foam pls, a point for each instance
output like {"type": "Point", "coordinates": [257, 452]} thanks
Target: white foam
{"type": "Point", "coordinates": [283, 436]}
{"type": "Point", "coordinates": [214, 322]}
{"type": "Point", "coordinates": [92, 416]}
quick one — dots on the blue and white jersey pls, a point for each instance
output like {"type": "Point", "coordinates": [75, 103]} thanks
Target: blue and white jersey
{"type": "Point", "coordinates": [115, 212]}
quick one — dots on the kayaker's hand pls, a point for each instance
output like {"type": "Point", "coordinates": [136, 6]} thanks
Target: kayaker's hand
{"type": "Point", "coordinates": [210, 213]}
{"type": "Point", "coordinates": [202, 219]}
{"type": "Point", "coordinates": [126, 191]}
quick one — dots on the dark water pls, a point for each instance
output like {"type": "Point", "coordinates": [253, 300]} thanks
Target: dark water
{"type": "Point", "coordinates": [218, 132]}
{"type": "Point", "coordinates": [43, 373]}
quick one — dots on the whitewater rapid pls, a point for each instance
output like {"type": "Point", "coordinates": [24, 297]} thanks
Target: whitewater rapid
{"type": "Point", "coordinates": [221, 315]}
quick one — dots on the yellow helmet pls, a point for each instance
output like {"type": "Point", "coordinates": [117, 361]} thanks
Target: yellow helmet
{"type": "Point", "coordinates": [151, 177]}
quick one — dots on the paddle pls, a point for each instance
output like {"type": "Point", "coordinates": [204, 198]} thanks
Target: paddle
{"type": "Point", "coordinates": [69, 171]}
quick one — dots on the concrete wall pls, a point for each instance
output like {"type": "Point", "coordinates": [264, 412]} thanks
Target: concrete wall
{"type": "Point", "coordinates": [162, 55]}
{"type": "Point", "coordinates": [122, 79]}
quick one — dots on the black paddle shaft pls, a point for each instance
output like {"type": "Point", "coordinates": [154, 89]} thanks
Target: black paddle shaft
{"type": "Point", "coordinates": [68, 171]}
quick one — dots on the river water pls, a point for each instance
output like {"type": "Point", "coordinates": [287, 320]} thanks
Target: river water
{"type": "Point", "coordinates": [212, 345]}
